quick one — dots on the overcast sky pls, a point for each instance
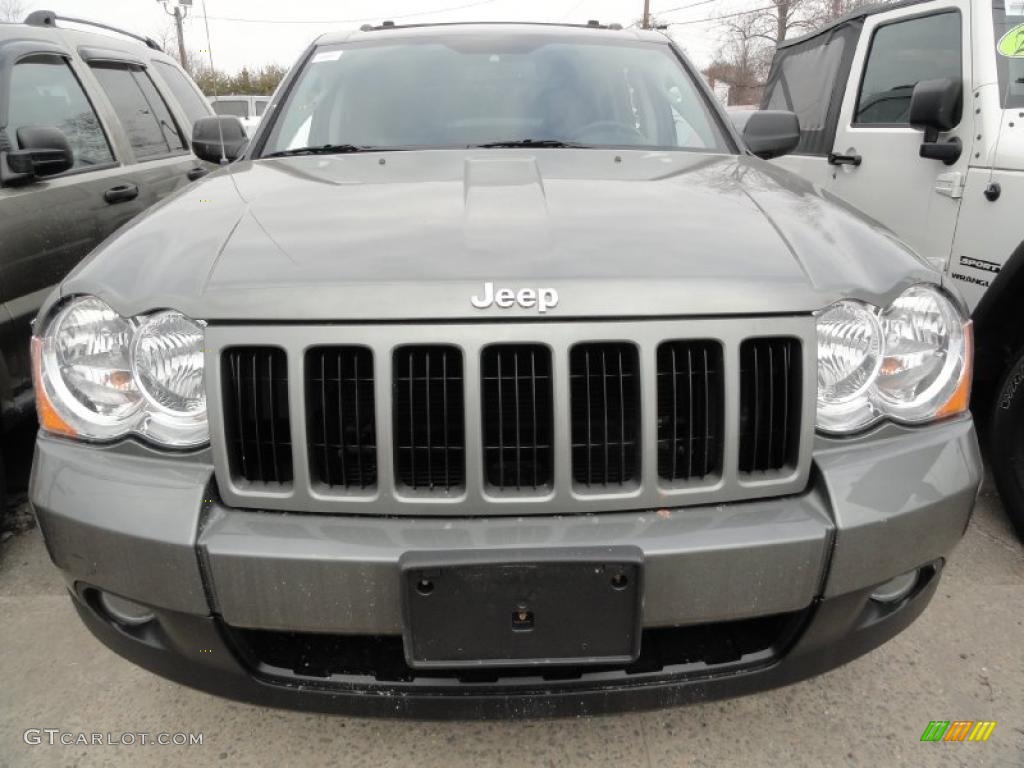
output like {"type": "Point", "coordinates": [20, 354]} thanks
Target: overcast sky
{"type": "Point", "coordinates": [278, 31]}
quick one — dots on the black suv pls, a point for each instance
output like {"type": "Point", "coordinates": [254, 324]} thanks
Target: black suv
{"type": "Point", "coordinates": [93, 130]}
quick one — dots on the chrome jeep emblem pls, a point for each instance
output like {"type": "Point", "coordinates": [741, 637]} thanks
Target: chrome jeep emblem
{"type": "Point", "coordinates": [541, 298]}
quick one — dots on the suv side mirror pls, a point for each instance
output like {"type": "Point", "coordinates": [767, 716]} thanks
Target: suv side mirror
{"type": "Point", "coordinates": [771, 132]}
{"type": "Point", "coordinates": [935, 107]}
{"type": "Point", "coordinates": [208, 132]}
{"type": "Point", "coordinates": [45, 151]}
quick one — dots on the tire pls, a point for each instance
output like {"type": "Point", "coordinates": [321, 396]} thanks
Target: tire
{"type": "Point", "coordinates": [3, 490]}
{"type": "Point", "coordinates": [1006, 443]}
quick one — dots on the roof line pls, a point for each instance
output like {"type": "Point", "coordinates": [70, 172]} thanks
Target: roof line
{"type": "Point", "coordinates": [856, 13]}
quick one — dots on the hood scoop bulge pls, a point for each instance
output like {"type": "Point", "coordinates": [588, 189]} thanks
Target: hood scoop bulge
{"type": "Point", "coordinates": [505, 206]}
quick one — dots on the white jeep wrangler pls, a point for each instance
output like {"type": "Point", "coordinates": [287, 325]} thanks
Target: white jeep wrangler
{"type": "Point", "coordinates": [913, 112]}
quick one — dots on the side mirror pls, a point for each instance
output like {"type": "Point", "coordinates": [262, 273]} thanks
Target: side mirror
{"type": "Point", "coordinates": [44, 151]}
{"type": "Point", "coordinates": [208, 132]}
{"type": "Point", "coordinates": [935, 108]}
{"type": "Point", "coordinates": [770, 133]}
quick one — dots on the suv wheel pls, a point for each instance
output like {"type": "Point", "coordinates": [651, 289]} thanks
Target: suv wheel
{"type": "Point", "coordinates": [1006, 443]}
{"type": "Point", "coordinates": [3, 490]}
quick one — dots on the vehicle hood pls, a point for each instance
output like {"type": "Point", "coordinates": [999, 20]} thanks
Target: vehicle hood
{"type": "Point", "coordinates": [414, 235]}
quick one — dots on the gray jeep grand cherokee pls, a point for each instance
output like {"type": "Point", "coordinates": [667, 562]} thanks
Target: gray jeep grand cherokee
{"type": "Point", "coordinates": [499, 377]}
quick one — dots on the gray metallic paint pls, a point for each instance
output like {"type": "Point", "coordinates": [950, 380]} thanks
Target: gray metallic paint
{"type": "Point", "coordinates": [340, 573]}
{"type": "Point", "coordinates": [413, 235]}
{"type": "Point", "coordinates": [920, 508]}
{"type": "Point", "coordinates": [125, 517]}
{"type": "Point", "coordinates": [391, 246]}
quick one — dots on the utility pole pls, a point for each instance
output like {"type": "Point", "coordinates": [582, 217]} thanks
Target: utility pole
{"type": "Point", "coordinates": [179, 13]}
{"type": "Point", "coordinates": [179, 17]}
{"type": "Point", "coordinates": [646, 22]}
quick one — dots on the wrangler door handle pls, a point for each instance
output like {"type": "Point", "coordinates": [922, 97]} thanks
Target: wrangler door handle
{"type": "Point", "coordinates": [854, 160]}
{"type": "Point", "coordinates": [196, 173]}
{"type": "Point", "coordinates": [122, 193]}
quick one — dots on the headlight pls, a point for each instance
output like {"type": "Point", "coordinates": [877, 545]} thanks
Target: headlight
{"type": "Point", "coordinates": [849, 356]}
{"type": "Point", "coordinates": [910, 363]}
{"type": "Point", "coordinates": [167, 361]}
{"type": "Point", "coordinates": [101, 376]}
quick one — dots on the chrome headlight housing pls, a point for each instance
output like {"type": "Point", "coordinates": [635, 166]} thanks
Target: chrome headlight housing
{"type": "Point", "coordinates": [910, 362]}
{"type": "Point", "coordinates": [100, 376]}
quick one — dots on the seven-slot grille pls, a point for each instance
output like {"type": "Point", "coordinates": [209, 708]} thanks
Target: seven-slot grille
{"type": "Point", "coordinates": [690, 392]}
{"type": "Point", "coordinates": [769, 403]}
{"type": "Point", "coordinates": [605, 405]}
{"type": "Point", "coordinates": [341, 418]}
{"type": "Point", "coordinates": [582, 425]}
{"type": "Point", "coordinates": [429, 434]}
{"type": "Point", "coordinates": [516, 402]}
{"type": "Point", "coordinates": [256, 415]}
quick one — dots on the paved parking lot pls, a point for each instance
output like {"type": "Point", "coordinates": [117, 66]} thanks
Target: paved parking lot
{"type": "Point", "coordinates": [964, 659]}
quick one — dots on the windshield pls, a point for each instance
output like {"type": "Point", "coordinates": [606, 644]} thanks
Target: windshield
{"type": "Point", "coordinates": [1009, 32]}
{"type": "Point", "coordinates": [495, 89]}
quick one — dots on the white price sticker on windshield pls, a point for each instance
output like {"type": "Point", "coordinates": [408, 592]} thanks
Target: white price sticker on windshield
{"type": "Point", "coordinates": [326, 56]}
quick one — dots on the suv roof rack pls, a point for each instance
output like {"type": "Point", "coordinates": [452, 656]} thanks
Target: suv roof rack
{"type": "Point", "coordinates": [591, 23]}
{"type": "Point", "coordinates": [50, 19]}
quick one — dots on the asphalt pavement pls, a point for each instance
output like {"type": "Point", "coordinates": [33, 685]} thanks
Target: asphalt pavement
{"type": "Point", "coordinates": [962, 660]}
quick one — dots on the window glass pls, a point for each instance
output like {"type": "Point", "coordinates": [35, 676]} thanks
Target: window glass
{"type": "Point", "coordinates": [191, 102]}
{"type": "Point", "coordinates": [140, 107]}
{"type": "Point", "coordinates": [261, 107]}
{"type": "Point", "coordinates": [902, 54]}
{"type": "Point", "coordinates": [1008, 18]}
{"type": "Point", "coordinates": [46, 93]}
{"type": "Point", "coordinates": [231, 107]}
{"type": "Point", "coordinates": [495, 88]}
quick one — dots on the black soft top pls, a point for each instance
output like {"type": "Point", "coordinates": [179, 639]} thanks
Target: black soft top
{"type": "Point", "coordinates": [857, 14]}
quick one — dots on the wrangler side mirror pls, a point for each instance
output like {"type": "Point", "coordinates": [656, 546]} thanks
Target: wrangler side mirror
{"type": "Point", "coordinates": [208, 133]}
{"type": "Point", "coordinates": [935, 108]}
{"type": "Point", "coordinates": [769, 133]}
{"type": "Point", "coordinates": [44, 151]}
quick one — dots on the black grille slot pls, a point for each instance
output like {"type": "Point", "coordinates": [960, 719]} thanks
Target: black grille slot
{"type": "Point", "coordinates": [257, 421]}
{"type": "Point", "coordinates": [517, 418]}
{"type": "Point", "coordinates": [689, 409]}
{"type": "Point", "coordinates": [605, 395]}
{"type": "Point", "coordinates": [341, 427]}
{"type": "Point", "coordinates": [429, 424]}
{"type": "Point", "coordinates": [769, 403]}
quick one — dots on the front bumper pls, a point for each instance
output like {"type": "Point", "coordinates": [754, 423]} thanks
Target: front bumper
{"type": "Point", "coordinates": [150, 528]}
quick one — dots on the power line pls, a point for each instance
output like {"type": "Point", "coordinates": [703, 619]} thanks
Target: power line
{"type": "Point", "coordinates": [721, 18]}
{"type": "Point", "coordinates": [572, 10]}
{"type": "Point", "coordinates": [353, 21]}
{"type": "Point", "coordinates": [682, 7]}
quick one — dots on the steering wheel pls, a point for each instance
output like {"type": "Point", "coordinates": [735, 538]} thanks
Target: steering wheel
{"type": "Point", "coordinates": [606, 130]}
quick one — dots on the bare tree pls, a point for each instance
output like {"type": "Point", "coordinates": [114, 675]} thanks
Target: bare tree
{"type": "Point", "coordinates": [749, 40]}
{"type": "Point", "coordinates": [777, 20]}
{"type": "Point", "coordinates": [13, 10]}
{"type": "Point", "coordinates": [825, 11]}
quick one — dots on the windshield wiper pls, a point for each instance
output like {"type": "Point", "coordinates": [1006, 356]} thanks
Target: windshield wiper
{"type": "Point", "coordinates": [325, 149]}
{"type": "Point", "coordinates": [543, 143]}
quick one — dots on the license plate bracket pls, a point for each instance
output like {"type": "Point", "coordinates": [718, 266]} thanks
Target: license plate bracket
{"type": "Point", "coordinates": [478, 609]}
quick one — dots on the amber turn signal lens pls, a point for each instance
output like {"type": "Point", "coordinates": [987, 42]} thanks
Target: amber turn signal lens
{"type": "Point", "coordinates": [960, 400]}
{"type": "Point", "coordinates": [49, 420]}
